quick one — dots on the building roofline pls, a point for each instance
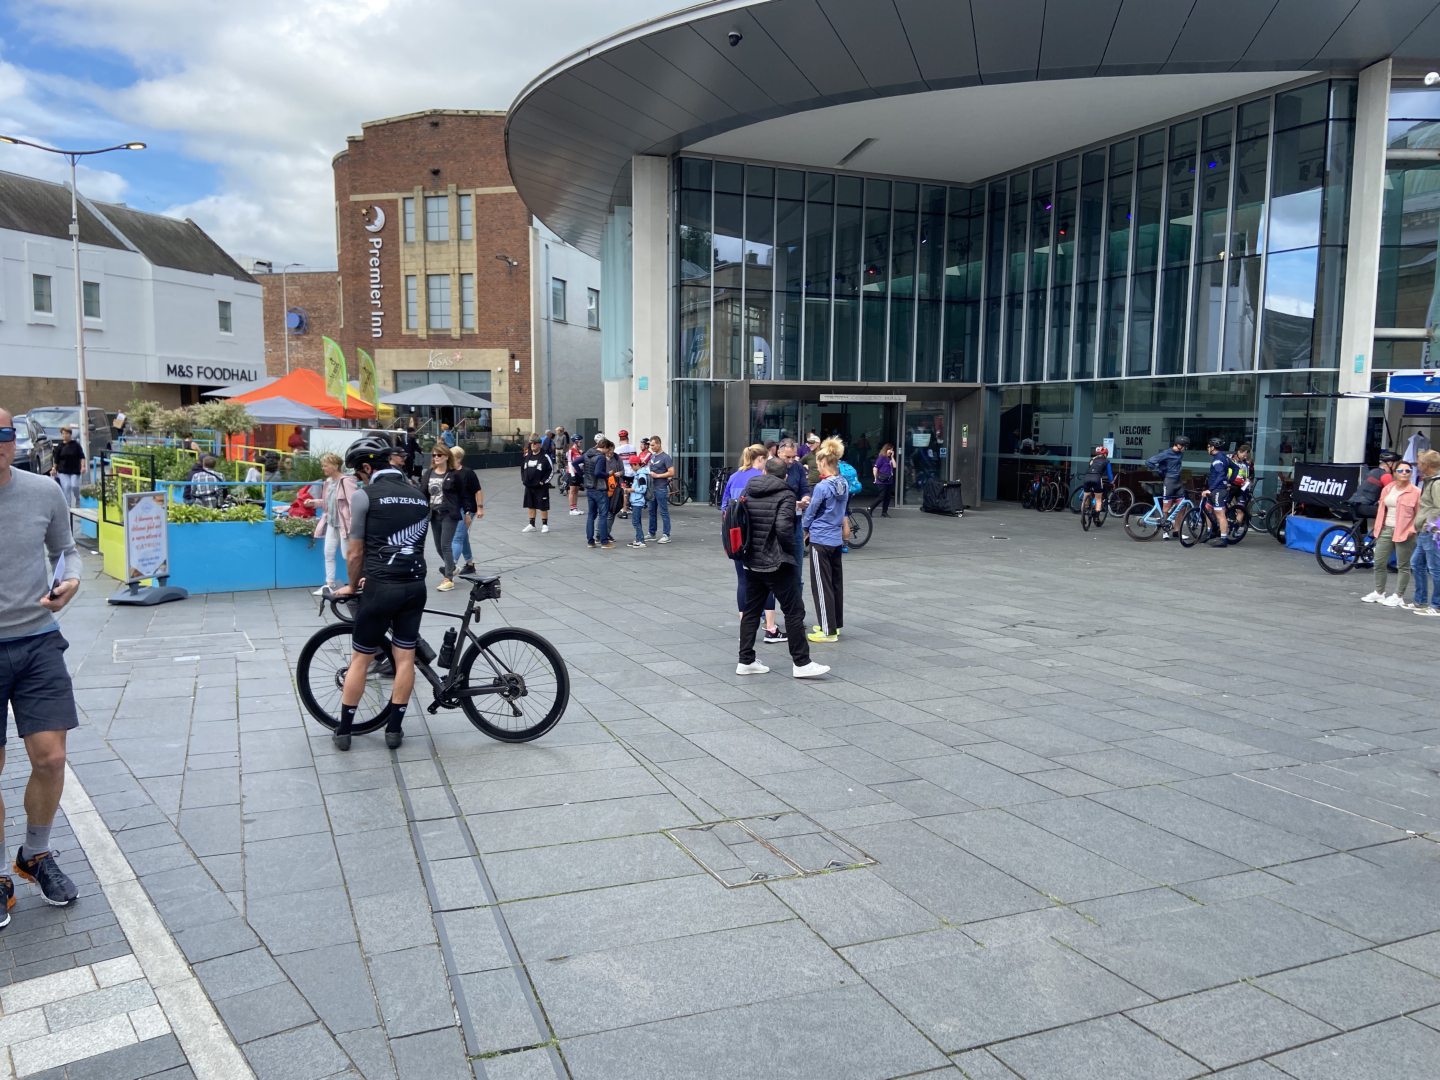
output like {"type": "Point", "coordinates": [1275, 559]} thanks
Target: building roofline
{"type": "Point", "coordinates": [384, 120]}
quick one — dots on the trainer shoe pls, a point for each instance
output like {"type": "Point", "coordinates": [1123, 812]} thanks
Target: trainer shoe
{"type": "Point", "coordinates": [608, 545]}
{"type": "Point", "coordinates": [445, 585]}
{"type": "Point", "coordinates": [468, 568]}
{"type": "Point", "coordinates": [756, 668]}
{"type": "Point", "coordinates": [664, 539]}
{"type": "Point", "coordinates": [544, 528]}
{"type": "Point", "coordinates": [1393, 600]}
{"type": "Point", "coordinates": [57, 889]}
{"type": "Point", "coordinates": [528, 528]}
{"type": "Point", "coordinates": [1428, 611]}
{"type": "Point", "coordinates": [1373, 598]}
{"type": "Point", "coordinates": [820, 637]}
{"type": "Point", "coordinates": [323, 590]}
{"type": "Point", "coordinates": [576, 513]}
{"type": "Point", "coordinates": [1405, 605]}
{"type": "Point", "coordinates": [7, 899]}
{"type": "Point", "coordinates": [1220, 541]}
{"type": "Point", "coordinates": [775, 637]}
{"type": "Point", "coordinates": [636, 544]}
{"type": "Point", "coordinates": [811, 670]}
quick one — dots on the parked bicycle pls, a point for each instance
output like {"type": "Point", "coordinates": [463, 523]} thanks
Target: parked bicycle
{"type": "Point", "coordinates": [1184, 520]}
{"type": "Point", "coordinates": [679, 493]}
{"type": "Point", "coordinates": [1341, 548]}
{"type": "Point", "coordinates": [862, 524]}
{"type": "Point", "coordinates": [1047, 490]}
{"type": "Point", "coordinates": [511, 683]}
{"type": "Point", "coordinates": [1118, 500]}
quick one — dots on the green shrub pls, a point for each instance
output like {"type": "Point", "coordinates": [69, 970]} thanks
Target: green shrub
{"type": "Point", "coordinates": [186, 514]}
{"type": "Point", "coordinates": [305, 469]}
{"type": "Point", "coordinates": [289, 526]}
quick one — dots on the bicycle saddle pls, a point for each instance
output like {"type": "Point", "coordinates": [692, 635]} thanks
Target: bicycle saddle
{"type": "Point", "coordinates": [487, 586]}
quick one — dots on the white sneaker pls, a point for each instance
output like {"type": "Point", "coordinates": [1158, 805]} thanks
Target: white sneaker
{"type": "Point", "coordinates": [323, 590]}
{"type": "Point", "coordinates": [811, 670]}
{"type": "Point", "coordinates": [576, 513]}
{"type": "Point", "coordinates": [664, 539]}
{"type": "Point", "coordinates": [1373, 598]}
{"type": "Point", "coordinates": [1431, 612]}
{"type": "Point", "coordinates": [1393, 600]}
{"type": "Point", "coordinates": [544, 528]}
{"type": "Point", "coordinates": [756, 668]}
{"type": "Point", "coordinates": [1405, 605]}
{"type": "Point", "coordinates": [528, 528]}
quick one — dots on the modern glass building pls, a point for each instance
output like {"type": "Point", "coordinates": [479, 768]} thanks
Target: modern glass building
{"type": "Point", "coordinates": [1128, 237]}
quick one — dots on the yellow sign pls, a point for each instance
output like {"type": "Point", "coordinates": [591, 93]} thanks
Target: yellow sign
{"type": "Point", "coordinates": [336, 373]}
{"type": "Point", "coordinates": [369, 388]}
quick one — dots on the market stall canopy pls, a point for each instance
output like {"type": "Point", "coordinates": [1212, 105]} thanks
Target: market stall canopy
{"type": "Point", "coordinates": [240, 388]}
{"type": "Point", "coordinates": [438, 394]}
{"type": "Point", "coordinates": [280, 410]}
{"type": "Point", "coordinates": [308, 388]}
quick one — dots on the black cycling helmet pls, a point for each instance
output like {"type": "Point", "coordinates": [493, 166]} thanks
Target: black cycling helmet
{"type": "Point", "coordinates": [372, 450]}
{"type": "Point", "coordinates": [1389, 455]}
{"type": "Point", "coordinates": [1182, 441]}
{"type": "Point", "coordinates": [1213, 442]}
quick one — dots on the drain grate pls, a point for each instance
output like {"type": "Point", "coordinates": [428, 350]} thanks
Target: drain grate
{"type": "Point", "coordinates": [188, 647]}
{"type": "Point", "coordinates": [749, 851]}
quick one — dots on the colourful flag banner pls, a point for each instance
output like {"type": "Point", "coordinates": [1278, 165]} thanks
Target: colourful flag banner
{"type": "Point", "coordinates": [369, 386]}
{"type": "Point", "coordinates": [335, 370]}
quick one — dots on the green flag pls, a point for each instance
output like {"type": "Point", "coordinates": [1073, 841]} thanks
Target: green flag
{"type": "Point", "coordinates": [335, 371]}
{"type": "Point", "coordinates": [369, 387]}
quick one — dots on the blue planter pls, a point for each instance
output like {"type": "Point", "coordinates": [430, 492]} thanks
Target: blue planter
{"type": "Point", "coordinates": [300, 562]}
{"type": "Point", "coordinates": [83, 527]}
{"type": "Point", "coordinates": [222, 556]}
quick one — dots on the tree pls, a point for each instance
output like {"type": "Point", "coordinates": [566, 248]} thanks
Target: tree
{"type": "Point", "coordinates": [141, 414]}
{"type": "Point", "coordinates": [225, 417]}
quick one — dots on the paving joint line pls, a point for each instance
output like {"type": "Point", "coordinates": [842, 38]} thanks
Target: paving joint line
{"type": "Point", "coordinates": [206, 1043]}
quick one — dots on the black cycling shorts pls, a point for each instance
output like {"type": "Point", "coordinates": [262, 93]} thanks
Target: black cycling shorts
{"type": "Point", "coordinates": [1220, 497]}
{"type": "Point", "coordinates": [1097, 486]}
{"type": "Point", "coordinates": [1174, 489]}
{"type": "Point", "coordinates": [393, 606]}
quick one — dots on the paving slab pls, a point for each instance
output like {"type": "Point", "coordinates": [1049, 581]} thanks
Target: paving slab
{"type": "Point", "coordinates": [1231, 1024]}
{"type": "Point", "coordinates": [1110, 1048]}
{"type": "Point", "coordinates": [1396, 1050]}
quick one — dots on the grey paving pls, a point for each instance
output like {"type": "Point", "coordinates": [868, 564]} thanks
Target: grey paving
{"type": "Point", "coordinates": [1089, 861]}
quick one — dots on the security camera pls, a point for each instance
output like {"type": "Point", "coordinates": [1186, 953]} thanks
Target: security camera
{"type": "Point", "coordinates": [734, 37]}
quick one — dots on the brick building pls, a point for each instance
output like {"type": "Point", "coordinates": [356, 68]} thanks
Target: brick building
{"type": "Point", "coordinates": [303, 306]}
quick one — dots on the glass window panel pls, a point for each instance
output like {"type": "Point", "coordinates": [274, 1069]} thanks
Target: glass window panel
{"type": "Point", "coordinates": [226, 317]}
{"type": "Point", "coordinates": [412, 302]}
{"type": "Point", "coordinates": [872, 338]}
{"type": "Point", "coordinates": [1059, 363]}
{"type": "Point", "coordinates": [1305, 105]}
{"type": "Point", "coordinates": [1254, 118]}
{"type": "Point", "coordinates": [592, 305]}
{"type": "Point", "coordinates": [1042, 209]}
{"type": "Point", "coordinates": [1296, 188]}
{"type": "Point", "coordinates": [848, 245]}
{"type": "Point", "coordinates": [994, 320]}
{"type": "Point", "coordinates": [1330, 299]}
{"type": "Point", "coordinates": [729, 243]}
{"type": "Point", "coordinates": [1117, 257]}
{"type": "Point", "coordinates": [558, 307]}
{"type": "Point", "coordinates": [1180, 212]}
{"type": "Point", "coordinates": [1065, 235]}
{"type": "Point", "coordinates": [1122, 157]}
{"type": "Point", "coordinates": [849, 190]}
{"type": "Point", "coordinates": [1142, 324]}
{"type": "Point", "coordinates": [1344, 97]}
{"type": "Point", "coordinates": [995, 258]}
{"type": "Point", "coordinates": [1247, 233]}
{"type": "Point", "coordinates": [1288, 329]}
{"type": "Point", "coordinates": [819, 277]}
{"type": "Point", "coordinates": [759, 180]}
{"type": "Point", "coordinates": [1092, 230]}
{"type": "Point", "coordinates": [1214, 201]}
{"type": "Point", "coordinates": [790, 243]}
{"type": "Point", "coordinates": [789, 184]}
{"type": "Point", "coordinates": [930, 261]}
{"type": "Point", "coordinates": [759, 253]}
{"type": "Point", "coordinates": [1067, 174]}
{"type": "Point", "coordinates": [1170, 348]}
{"type": "Point", "coordinates": [1339, 155]}
{"type": "Point", "coordinates": [962, 342]}
{"type": "Point", "coordinates": [877, 194]}
{"type": "Point", "coordinates": [467, 303]}
{"type": "Point", "coordinates": [927, 341]}
{"type": "Point", "coordinates": [91, 293]}
{"type": "Point", "coordinates": [695, 173]}
{"type": "Point", "coordinates": [1015, 345]}
{"type": "Point", "coordinates": [1035, 338]}
{"type": "Point", "coordinates": [1410, 241]}
{"type": "Point", "coordinates": [1152, 148]}
{"type": "Point", "coordinates": [475, 382]}
{"type": "Point", "coordinates": [1018, 232]}
{"type": "Point", "coordinates": [697, 243]}
{"type": "Point", "coordinates": [437, 300]}
{"type": "Point", "coordinates": [1242, 313]}
{"type": "Point", "coordinates": [906, 196]}
{"type": "Point", "coordinates": [902, 339]}
{"type": "Point", "coordinates": [729, 177]}
{"type": "Point", "coordinates": [407, 209]}
{"type": "Point", "coordinates": [1207, 312]}
{"type": "Point", "coordinates": [820, 187]}
{"type": "Point", "coordinates": [467, 217]}
{"type": "Point", "coordinates": [1092, 166]}
{"type": "Point", "coordinates": [1149, 213]}
{"type": "Point", "coordinates": [1087, 319]}
{"type": "Point", "coordinates": [1112, 343]}
{"type": "Point", "coordinates": [902, 253]}
{"type": "Point", "coordinates": [437, 218]}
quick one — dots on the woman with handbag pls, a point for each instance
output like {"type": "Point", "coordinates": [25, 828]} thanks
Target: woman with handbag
{"type": "Point", "coordinates": [334, 524]}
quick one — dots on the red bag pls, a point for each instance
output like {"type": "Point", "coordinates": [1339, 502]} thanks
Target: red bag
{"type": "Point", "coordinates": [298, 509]}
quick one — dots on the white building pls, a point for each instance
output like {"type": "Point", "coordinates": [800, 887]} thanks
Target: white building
{"type": "Point", "coordinates": [168, 314]}
{"type": "Point", "coordinates": [565, 287]}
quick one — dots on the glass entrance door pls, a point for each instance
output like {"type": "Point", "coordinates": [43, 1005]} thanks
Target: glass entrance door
{"type": "Point", "coordinates": [925, 455]}
{"type": "Point", "coordinates": [865, 427]}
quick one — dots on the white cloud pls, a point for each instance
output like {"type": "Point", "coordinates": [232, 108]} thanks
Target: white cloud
{"type": "Point", "coordinates": [267, 91]}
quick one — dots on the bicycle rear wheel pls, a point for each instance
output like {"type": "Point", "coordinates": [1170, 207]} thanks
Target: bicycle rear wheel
{"type": "Point", "coordinates": [320, 677]}
{"type": "Point", "coordinates": [1120, 501]}
{"type": "Point", "coordinates": [1049, 497]}
{"type": "Point", "coordinates": [1139, 525]}
{"type": "Point", "coordinates": [1239, 525]}
{"type": "Point", "coordinates": [532, 683]}
{"type": "Point", "coordinates": [1085, 515]}
{"type": "Point", "coordinates": [1194, 528]}
{"type": "Point", "coordinates": [678, 495]}
{"type": "Point", "coordinates": [861, 526]}
{"type": "Point", "coordinates": [1077, 498]}
{"type": "Point", "coordinates": [1336, 550]}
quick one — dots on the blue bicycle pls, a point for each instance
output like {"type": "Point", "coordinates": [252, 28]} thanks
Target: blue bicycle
{"type": "Point", "coordinates": [1184, 520]}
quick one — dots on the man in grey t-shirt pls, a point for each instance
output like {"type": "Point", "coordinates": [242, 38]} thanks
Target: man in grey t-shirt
{"type": "Point", "coordinates": [662, 471]}
{"type": "Point", "coordinates": [34, 681]}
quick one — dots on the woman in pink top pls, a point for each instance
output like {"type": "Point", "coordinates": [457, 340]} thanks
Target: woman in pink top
{"type": "Point", "coordinates": [334, 524]}
{"type": "Point", "coordinates": [1395, 534]}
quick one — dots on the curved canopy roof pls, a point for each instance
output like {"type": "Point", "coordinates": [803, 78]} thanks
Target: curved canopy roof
{"type": "Point", "coordinates": [676, 81]}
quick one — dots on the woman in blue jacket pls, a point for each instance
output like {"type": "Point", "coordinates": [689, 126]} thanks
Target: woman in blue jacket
{"type": "Point", "coordinates": [824, 524]}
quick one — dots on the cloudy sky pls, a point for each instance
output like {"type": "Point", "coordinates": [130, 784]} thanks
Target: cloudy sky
{"type": "Point", "coordinates": [245, 104]}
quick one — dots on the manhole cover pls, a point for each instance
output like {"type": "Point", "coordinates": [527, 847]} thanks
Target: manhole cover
{"type": "Point", "coordinates": [748, 851]}
{"type": "Point", "coordinates": [188, 647]}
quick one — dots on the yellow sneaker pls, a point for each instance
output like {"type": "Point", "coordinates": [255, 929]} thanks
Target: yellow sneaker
{"type": "Point", "coordinates": [820, 637]}
{"type": "Point", "coordinates": [445, 586]}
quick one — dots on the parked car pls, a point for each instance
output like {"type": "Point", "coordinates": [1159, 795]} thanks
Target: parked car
{"type": "Point", "coordinates": [53, 417]}
{"type": "Point", "coordinates": [32, 445]}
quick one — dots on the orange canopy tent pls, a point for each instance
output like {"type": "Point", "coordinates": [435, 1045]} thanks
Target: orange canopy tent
{"type": "Point", "coordinates": [308, 388]}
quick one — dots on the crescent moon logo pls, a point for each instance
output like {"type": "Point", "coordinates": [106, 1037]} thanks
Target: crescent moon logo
{"type": "Point", "coordinates": [376, 214]}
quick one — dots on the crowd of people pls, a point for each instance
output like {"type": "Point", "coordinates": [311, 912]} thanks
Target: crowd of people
{"type": "Point", "coordinates": [1403, 497]}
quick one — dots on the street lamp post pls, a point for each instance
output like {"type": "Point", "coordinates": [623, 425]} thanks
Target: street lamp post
{"type": "Point", "coordinates": [285, 309]}
{"type": "Point", "coordinates": [82, 434]}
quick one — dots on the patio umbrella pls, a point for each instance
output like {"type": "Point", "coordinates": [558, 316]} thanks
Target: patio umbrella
{"type": "Point", "coordinates": [281, 410]}
{"type": "Point", "coordinates": [437, 394]}
{"type": "Point", "coordinates": [240, 388]}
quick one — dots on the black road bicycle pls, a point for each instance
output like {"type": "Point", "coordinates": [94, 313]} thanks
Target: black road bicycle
{"type": "Point", "coordinates": [511, 683]}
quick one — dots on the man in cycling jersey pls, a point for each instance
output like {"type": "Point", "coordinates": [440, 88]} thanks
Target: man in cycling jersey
{"type": "Point", "coordinates": [1217, 483]}
{"type": "Point", "coordinates": [1099, 477]}
{"type": "Point", "coordinates": [1242, 479]}
{"type": "Point", "coordinates": [1168, 464]}
{"type": "Point", "coordinates": [386, 556]}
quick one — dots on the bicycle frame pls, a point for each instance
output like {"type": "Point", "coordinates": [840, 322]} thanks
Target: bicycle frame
{"type": "Point", "coordinates": [1156, 514]}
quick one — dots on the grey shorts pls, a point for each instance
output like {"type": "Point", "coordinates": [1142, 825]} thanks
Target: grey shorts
{"type": "Point", "coordinates": [36, 684]}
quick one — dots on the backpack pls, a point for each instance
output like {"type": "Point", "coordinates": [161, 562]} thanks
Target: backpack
{"type": "Point", "coordinates": [735, 527]}
{"type": "Point", "coordinates": [848, 472]}
{"type": "Point", "coordinates": [640, 487]}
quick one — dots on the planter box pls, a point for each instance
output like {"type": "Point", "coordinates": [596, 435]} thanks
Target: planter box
{"type": "Point", "coordinates": [222, 556]}
{"type": "Point", "coordinates": [300, 562]}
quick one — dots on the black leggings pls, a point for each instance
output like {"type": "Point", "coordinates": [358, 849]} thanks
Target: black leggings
{"type": "Point", "coordinates": [442, 527]}
{"type": "Point", "coordinates": [887, 492]}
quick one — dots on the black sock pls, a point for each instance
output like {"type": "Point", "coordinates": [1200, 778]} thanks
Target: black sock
{"type": "Point", "coordinates": [347, 719]}
{"type": "Point", "coordinates": [395, 715]}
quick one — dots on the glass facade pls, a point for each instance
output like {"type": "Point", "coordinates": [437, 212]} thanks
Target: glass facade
{"type": "Point", "coordinates": [1167, 280]}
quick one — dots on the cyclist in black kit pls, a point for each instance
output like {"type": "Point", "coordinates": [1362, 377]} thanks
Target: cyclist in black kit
{"type": "Point", "coordinates": [386, 556]}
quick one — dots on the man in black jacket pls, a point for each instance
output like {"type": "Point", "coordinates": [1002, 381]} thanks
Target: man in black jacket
{"type": "Point", "coordinates": [770, 567]}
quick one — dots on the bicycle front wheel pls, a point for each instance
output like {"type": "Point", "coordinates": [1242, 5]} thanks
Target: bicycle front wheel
{"type": "Point", "coordinates": [1077, 498]}
{"type": "Point", "coordinates": [1139, 525]}
{"type": "Point", "coordinates": [1239, 524]}
{"type": "Point", "coordinates": [678, 495]}
{"type": "Point", "coordinates": [530, 682]}
{"type": "Point", "coordinates": [1335, 551]}
{"type": "Point", "coordinates": [1194, 528]}
{"type": "Point", "coordinates": [320, 677]}
{"type": "Point", "coordinates": [1120, 501]}
{"type": "Point", "coordinates": [861, 526]}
